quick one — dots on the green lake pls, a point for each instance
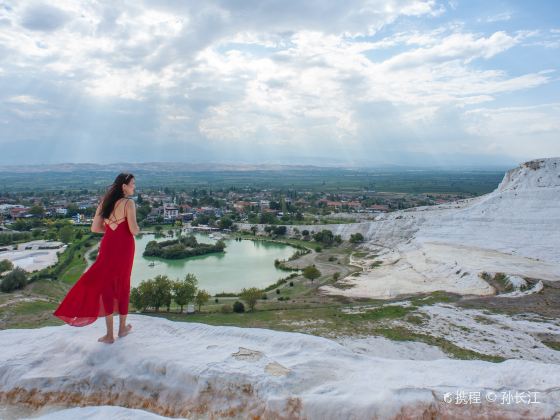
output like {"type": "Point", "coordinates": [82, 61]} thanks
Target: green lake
{"type": "Point", "coordinates": [244, 263]}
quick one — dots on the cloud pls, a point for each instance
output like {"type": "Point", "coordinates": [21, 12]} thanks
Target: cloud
{"type": "Point", "coordinates": [43, 17]}
{"type": "Point", "coordinates": [26, 99]}
{"type": "Point", "coordinates": [500, 17]}
{"type": "Point", "coordinates": [461, 46]}
{"type": "Point", "coordinates": [254, 78]}
{"type": "Point", "coordinates": [517, 130]}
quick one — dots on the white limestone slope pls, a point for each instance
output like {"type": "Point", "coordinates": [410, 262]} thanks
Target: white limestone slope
{"type": "Point", "coordinates": [515, 230]}
{"type": "Point", "coordinates": [196, 370]}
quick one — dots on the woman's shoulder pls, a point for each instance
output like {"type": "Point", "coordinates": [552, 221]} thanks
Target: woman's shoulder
{"type": "Point", "coordinates": [126, 202]}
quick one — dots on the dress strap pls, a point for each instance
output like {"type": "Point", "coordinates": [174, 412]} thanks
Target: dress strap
{"type": "Point", "coordinates": [113, 220]}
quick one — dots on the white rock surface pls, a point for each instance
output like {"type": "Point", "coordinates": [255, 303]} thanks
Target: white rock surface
{"type": "Point", "coordinates": [98, 413]}
{"type": "Point", "coordinates": [515, 230]}
{"type": "Point", "coordinates": [379, 346]}
{"type": "Point", "coordinates": [31, 257]}
{"type": "Point", "coordinates": [198, 371]}
{"type": "Point", "coordinates": [509, 336]}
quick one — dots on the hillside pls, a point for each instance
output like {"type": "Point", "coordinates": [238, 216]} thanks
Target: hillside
{"type": "Point", "coordinates": [514, 229]}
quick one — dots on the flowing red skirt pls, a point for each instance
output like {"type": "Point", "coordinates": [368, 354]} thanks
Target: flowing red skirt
{"type": "Point", "coordinates": [105, 286]}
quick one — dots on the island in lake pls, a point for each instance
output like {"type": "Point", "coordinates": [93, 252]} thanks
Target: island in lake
{"type": "Point", "coordinates": [183, 247]}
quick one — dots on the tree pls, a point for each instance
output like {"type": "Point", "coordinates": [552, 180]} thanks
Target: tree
{"type": "Point", "coordinates": [142, 211]}
{"type": "Point", "coordinates": [220, 244]}
{"type": "Point", "coordinates": [356, 237]}
{"type": "Point", "coordinates": [72, 209]}
{"type": "Point", "coordinates": [184, 291]}
{"type": "Point", "coordinates": [6, 265]}
{"type": "Point", "coordinates": [325, 236]}
{"type": "Point", "coordinates": [311, 272]}
{"type": "Point", "coordinates": [280, 230]}
{"type": "Point", "coordinates": [201, 298]}
{"type": "Point", "coordinates": [37, 210]}
{"type": "Point", "coordinates": [267, 218]}
{"type": "Point", "coordinates": [162, 292]}
{"type": "Point", "coordinates": [15, 279]}
{"type": "Point", "coordinates": [225, 223]}
{"type": "Point", "coordinates": [66, 233]}
{"type": "Point", "coordinates": [138, 299]}
{"type": "Point", "coordinates": [251, 296]}
{"type": "Point", "coordinates": [254, 229]}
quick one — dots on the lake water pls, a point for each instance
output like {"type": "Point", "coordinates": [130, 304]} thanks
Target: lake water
{"type": "Point", "coordinates": [244, 263]}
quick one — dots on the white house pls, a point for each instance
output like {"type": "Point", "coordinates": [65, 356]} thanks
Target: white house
{"type": "Point", "coordinates": [170, 211]}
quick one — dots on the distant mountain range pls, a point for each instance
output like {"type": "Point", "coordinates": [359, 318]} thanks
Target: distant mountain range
{"type": "Point", "coordinates": [174, 167]}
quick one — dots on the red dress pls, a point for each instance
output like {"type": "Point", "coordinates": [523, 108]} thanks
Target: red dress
{"type": "Point", "coordinates": [105, 286]}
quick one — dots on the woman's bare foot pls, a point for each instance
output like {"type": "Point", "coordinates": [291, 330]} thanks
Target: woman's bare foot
{"type": "Point", "coordinates": [126, 330]}
{"type": "Point", "coordinates": [106, 339]}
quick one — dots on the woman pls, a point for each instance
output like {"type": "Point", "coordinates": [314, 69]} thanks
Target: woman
{"type": "Point", "coordinates": [105, 286]}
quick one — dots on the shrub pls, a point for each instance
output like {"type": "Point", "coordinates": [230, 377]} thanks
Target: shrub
{"type": "Point", "coordinates": [280, 230]}
{"type": "Point", "coordinates": [311, 272]}
{"type": "Point", "coordinates": [277, 291]}
{"type": "Point", "coordinates": [500, 277]}
{"type": "Point", "coordinates": [6, 265]}
{"type": "Point", "coordinates": [336, 275]}
{"type": "Point", "coordinates": [291, 284]}
{"type": "Point", "coordinates": [15, 279]}
{"type": "Point", "coordinates": [485, 276]}
{"type": "Point", "coordinates": [226, 309]}
{"type": "Point", "coordinates": [318, 248]}
{"type": "Point", "coordinates": [356, 237]}
{"type": "Point", "coordinates": [238, 307]}
{"type": "Point", "coordinates": [250, 296]}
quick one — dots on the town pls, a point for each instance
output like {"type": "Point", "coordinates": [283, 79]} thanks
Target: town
{"type": "Point", "coordinates": [214, 209]}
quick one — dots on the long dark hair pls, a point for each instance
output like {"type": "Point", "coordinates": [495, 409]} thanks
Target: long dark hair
{"type": "Point", "coordinates": [114, 193]}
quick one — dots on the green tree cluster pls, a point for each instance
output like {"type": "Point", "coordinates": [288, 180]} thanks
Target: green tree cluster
{"type": "Point", "coordinates": [15, 279]}
{"type": "Point", "coordinates": [183, 247]}
{"type": "Point", "coordinates": [161, 291]}
{"type": "Point", "coordinates": [356, 237]}
{"type": "Point", "coordinates": [327, 238]}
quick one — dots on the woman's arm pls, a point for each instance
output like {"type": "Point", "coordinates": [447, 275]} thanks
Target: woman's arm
{"type": "Point", "coordinates": [130, 212]}
{"type": "Point", "coordinates": [97, 225]}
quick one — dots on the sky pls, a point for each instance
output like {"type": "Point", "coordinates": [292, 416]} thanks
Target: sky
{"type": "Point", "coordinates": [353, 82]}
